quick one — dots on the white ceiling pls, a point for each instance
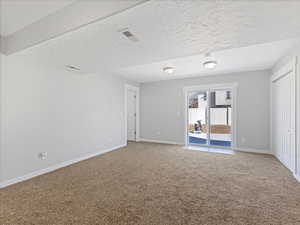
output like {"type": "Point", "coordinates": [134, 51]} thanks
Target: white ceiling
{"type": "Point", "coordinates": [182, 30]}
{"type": "Point", "coordinates": [250, 58]}
{"type": "Point", "coordinates": [17, 14]}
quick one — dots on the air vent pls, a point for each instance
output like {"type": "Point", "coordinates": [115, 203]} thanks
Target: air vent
{"type": "Point", "coordinates": [129, 35]}
{"type": "Point", "coordinates": [72, 68]}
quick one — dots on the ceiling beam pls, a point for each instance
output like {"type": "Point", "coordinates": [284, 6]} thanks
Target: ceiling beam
{"type": "Point", "coordinates": [70, 18]}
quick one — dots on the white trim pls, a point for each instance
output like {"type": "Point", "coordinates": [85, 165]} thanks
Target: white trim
{"type": "Point", "coordinates": [210, 86]}
{"type": "Point", "coordinates": [55, 167]}
{"type": "Point", "coordinates": [186, 122]}
{"type": "Point", "coordinates": [271, 117]}
{"type": "Point", "coordinates": [252, 150]}
{"type": "Point", "coordinates": [297, 76]}
{"type": "Point", "coordinates": [161, 142]}
{"type": "Point", "coordinates": [234, 115]}
{"type": "Point", "coordinates": [297, 177]}
{"type": "Point", "coordinates": [290, 67]}
{"type": "Point", "coordinates": [137, 124]}
{"type": "Point", "coordinates": [233, 87]}
{"type": "Point", "coordinates": [294, 83]}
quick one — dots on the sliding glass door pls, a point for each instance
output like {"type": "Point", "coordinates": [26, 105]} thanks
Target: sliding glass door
{"type": "Point", "coordinates": [198, 117]}
{"type": "Point", "coordinates": [220, 118]}
{"type": "Point", "coordinates": [210, 117]}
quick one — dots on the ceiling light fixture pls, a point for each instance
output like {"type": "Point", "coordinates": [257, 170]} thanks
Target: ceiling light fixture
{"type": "Point", "coordinates": [209, 61]}
{"type": "Point", "coordinates": [168, 70]}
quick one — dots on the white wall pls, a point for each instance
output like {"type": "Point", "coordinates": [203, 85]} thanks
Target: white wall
{"type": "Point", "coordinates": [65, 114]}
{"type": "Point", "coordinates": [289, 56]}
{"type": "Point", "coordinates": [162, 108]}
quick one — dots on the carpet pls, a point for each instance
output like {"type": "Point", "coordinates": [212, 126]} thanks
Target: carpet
{"type": "Point", "coordinates": [156, 184]}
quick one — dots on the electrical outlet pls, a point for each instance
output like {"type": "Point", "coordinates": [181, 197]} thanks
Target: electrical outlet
{"type": "Point", "coordinates": [42, 155]}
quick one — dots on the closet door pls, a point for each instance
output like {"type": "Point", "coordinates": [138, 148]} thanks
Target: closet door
{"type": "Point", "coordinates": [284, 119]}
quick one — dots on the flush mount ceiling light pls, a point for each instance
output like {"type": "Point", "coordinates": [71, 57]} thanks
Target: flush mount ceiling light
{"type": "Point", "coordinates": [209, 62]}
{"type": "Point", "coordinates": [168, 70]}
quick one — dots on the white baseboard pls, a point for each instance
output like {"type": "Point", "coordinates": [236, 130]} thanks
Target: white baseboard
{"type": "Point", "coordinates": [55, 167]}
{"type": "Point", "coordinates": [297, 177]}
{"type": "Point", "coordinates": [160, 142]}
{"type": "Point", "coordinates": [252, 150]}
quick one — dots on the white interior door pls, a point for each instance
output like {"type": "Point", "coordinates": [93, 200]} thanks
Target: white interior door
{"type": "Point", "coordinates": [131, 115]}
{"type": "Point", "coordinates": [283, 126]}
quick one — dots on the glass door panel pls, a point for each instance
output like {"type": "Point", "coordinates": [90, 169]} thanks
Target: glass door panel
{"type": "Point", "coordinates": [197, 118]}
{"type": "Point", "coordinates": [220, 118]}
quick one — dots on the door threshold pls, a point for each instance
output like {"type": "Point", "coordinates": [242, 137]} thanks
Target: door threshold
{"type": "Point", "coordinates": [209, 149]}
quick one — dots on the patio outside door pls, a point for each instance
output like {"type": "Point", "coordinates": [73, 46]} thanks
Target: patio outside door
{"type": "Point", "coordinates": [210, 118]}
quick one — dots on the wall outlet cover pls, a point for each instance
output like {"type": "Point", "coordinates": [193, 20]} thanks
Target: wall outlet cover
{"type": "Point", "coordinates": [42, 155]}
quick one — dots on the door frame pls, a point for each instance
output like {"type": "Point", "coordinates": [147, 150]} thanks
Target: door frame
{"type": "Point", "coordinates": [289, 67]}
{"type": "Point", "coordinates": [233, 87]}
{"type": "Point", "coordinates": [137, 118]}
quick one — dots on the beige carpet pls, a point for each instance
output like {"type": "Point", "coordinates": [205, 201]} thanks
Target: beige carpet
{"type": "Point", "coordinates": [157, 184]}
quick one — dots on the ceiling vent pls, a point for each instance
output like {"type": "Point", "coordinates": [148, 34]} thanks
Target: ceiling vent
{"type": "Point", "coordinates": [129, 35]}
{"type": "Point", "coordinates": [73, 68]}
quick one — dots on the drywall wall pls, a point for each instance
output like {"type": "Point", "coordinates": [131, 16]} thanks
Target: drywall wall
{"type": "Point", "coordinates": [1, 46]}
{"type": "Point", "coordinates": [162, 108]}
{"type": "Point", "coordinates": [289, 56]}
{"type": "Point", "coordinates": [49, 109]}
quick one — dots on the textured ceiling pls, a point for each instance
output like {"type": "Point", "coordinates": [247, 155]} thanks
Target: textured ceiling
{"type": "Point", "coordinates": [172, 29]}
{"type": "Point", "coordinates": [250, 58]}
